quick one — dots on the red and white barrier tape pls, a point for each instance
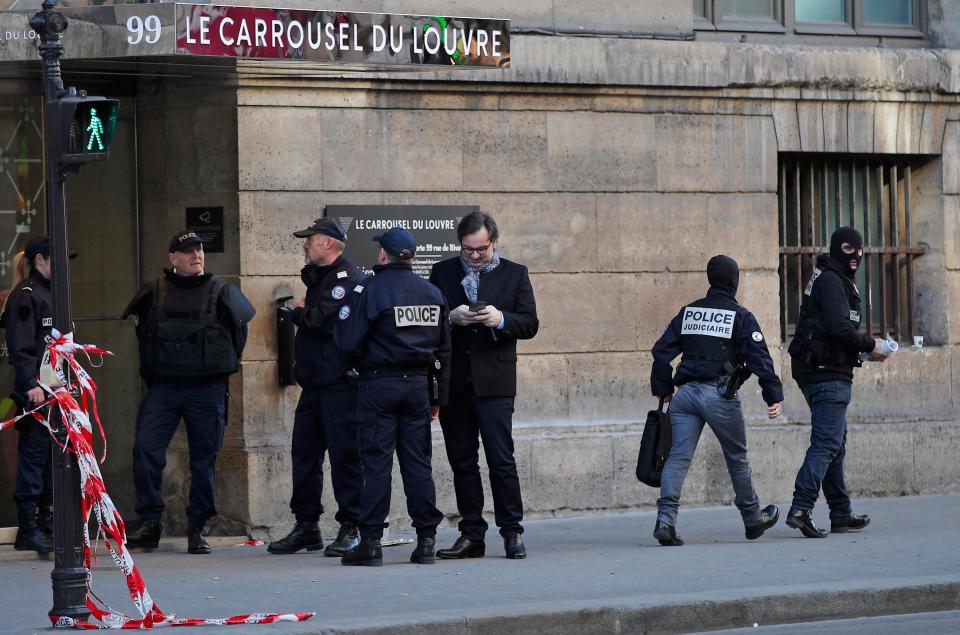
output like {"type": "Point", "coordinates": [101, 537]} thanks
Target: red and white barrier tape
{"type": "Point", "coordinates": [95, 500]}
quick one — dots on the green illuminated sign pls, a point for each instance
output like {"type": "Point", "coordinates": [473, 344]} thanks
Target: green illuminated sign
{"type": "Point", "coordinates": [94, 131]}
{"type": "Point", "coordinates": [87, 127]}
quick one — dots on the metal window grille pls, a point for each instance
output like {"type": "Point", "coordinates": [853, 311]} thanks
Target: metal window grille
{"type": "Point", "coordinates": [818, 195]}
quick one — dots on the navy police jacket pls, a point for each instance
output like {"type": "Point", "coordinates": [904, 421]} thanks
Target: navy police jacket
{"type": "Point", "coordinates": [396, 320]}
{"type": "Point", "coordinates": [709, 332]}
{"type": "Point", "coordinates": [28, 319]}
{"type": "Point", "coordinates": [828, 340]}
{"type": "Point", "coordinates": [317, 362]}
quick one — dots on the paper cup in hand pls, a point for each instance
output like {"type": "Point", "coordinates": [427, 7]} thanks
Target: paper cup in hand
{"type": "Point", "coordinates": [888, 347]}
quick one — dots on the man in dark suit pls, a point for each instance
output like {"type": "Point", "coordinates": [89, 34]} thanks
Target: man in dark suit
{"type": "Point", "coordinates": [493, 307]}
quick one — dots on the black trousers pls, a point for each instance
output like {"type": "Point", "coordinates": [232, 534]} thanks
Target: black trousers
{"type": "Point", "coordinates": [33, 486]}
{"type": "Point", "coordinates": [466, 421]}
{"type": "Point", "coordinates": [202, 406]}
{"type": "Point", "coordinates": [324, 422]}
{"type": "Point", "coordinates": [393, 413]}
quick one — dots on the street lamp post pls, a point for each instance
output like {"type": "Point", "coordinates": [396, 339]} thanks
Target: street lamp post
{"type": "Point", "coordinates": [69, 571]}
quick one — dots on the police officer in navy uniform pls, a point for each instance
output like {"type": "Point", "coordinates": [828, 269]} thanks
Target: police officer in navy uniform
{"type": "Point", "coordinates": [28, 319]}
{"type": "Point", "coordinates": [722, 344]}
{"type": "Point", "coordinates": [825, 350]}
{"type": "Point", "coordinates": [396, 326]}
{"type": "Point", "coordinates": [324, 418]}
{"type": "Point", "coordinates": [192, 328]}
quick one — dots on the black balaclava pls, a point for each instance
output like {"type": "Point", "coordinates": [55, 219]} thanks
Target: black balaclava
{"type": "Point", "coordinates": [853, 238]}
{"type": "Point", "coordinates": [723, 273]}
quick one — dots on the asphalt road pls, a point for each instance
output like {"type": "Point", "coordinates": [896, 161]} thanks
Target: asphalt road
{"type": "Point", "coordinates": [942, 623]}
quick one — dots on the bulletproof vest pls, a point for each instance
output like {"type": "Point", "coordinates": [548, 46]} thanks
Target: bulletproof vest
{"type": "Point", "coordinates": [707, 330]}
{"type": "Point", "coordinates": [811, 341]}
{"type": "Point", "coordinates": [182, 336]}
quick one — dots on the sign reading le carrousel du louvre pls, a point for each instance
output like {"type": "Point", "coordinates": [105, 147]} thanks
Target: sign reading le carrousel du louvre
{"type": "Point", "coordinates": [433, 226]}
{"type": "Point", "coordinates": [213, 30]}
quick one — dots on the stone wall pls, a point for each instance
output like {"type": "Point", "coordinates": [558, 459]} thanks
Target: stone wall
{"type": "Point", "coordinates": [615, 168]}
{"type": "Point", "coordinates": [944, 23]}
{"type": "Point", "coordinates": [615, 199]}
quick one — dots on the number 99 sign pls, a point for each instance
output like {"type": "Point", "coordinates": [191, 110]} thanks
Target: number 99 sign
{"type": "Point", "coordinates": [143, 30]}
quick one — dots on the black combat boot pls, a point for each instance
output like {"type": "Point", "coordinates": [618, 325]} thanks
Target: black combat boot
{"type": "Point", "coordinates": [29, 536]}
{"type": "Point", "coordinates": [802, 519]}
{"type": "Point", "coordinates": [196, 543]}
{"type": "Point", "coordinates": [148, 536]}
{"type": "Point", "coordinates": [666, 535]}
{"type": "Point", "coordinates": [850, 523]}
{"type": "Point", "coordinates": [347, 538]}
{"type": "Point", "coordinates": [366, 554]}
{"type": "Point", "coordinates": [514, 547]}
{"type": "Point", "coordinates": [768, 518]}
{"type": "Point", "coordinates": [304, 535]}
{"type": "Point", "coordinates": [45, 519]}
{"type": "Point", "coordinates": [424, 553]}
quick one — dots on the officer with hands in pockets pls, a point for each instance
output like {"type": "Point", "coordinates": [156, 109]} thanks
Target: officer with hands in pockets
{"type": "Point", "coordinates": [722, 345]}
{"type": "Point", "coordinates": [395, 325]}
{"type": "Point", "coordinates": [324, 418]}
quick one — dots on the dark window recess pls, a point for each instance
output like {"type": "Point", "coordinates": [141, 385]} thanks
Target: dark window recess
{"type": "Point", "coordinates": [819, 195]}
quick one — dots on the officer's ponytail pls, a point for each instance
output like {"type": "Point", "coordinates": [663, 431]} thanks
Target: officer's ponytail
{"type": "Point", "coordinates": [20, 271]}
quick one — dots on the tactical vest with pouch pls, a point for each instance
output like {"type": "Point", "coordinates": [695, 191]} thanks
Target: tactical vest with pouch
{"type": "Point", "coordinates": [182, 336]}
{"type": "Point", "coordinates": [811, 342]}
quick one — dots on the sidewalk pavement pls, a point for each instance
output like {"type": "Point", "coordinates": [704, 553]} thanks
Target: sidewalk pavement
{"type": "Point", "coordinates": [597, 573]}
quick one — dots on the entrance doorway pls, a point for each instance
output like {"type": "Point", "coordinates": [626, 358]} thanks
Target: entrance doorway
{"type": "Point", "coordinates": [102, 204]}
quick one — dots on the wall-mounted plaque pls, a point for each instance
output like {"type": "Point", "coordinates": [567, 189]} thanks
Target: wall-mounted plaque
{"type": "Point", "coordinates": [434, 227]}
{"type": "Point", "coordinates": [207, 222]}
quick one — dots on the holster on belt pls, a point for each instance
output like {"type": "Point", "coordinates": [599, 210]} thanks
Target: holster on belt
{"type": "Point", "coordinates": [729, 383]}
{"type": "Point", "coordinates": [352, 377]}
{"type": "Point", "coordinates": [434, 384]}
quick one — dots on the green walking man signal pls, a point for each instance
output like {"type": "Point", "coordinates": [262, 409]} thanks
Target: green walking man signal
{"type": "Point", "coordinates": [95, 128]}
{"type": "Point", "coordinates": [85, 126]}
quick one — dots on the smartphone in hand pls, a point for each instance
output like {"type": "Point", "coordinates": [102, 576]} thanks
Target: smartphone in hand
{"type": "Point", "coordinates": [476, 307]}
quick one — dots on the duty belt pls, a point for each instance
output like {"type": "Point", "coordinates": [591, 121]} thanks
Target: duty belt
{"type": "Point", "coordinates": [713, 381]}
{"type": "Point", "coordinates": [421, 371]}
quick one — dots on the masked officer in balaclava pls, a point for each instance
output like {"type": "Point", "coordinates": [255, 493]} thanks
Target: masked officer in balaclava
{"type": "Point", "coordinates": [722, 345]}
{"type": "Point", "coordinates": [824, 352]}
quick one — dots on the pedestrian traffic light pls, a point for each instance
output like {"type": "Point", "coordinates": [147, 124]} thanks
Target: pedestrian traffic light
{"type": "Point", "coordinates": [85, 126]}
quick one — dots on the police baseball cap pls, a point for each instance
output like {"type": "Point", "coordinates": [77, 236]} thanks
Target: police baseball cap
{"type": "Point", "coordinates": [398, 242]}
{"type": "Point", "coordinates": [40, 245]}
{"type": "Point", "coordinates": [326, 226]}
{"type": "Point", "coordinates": [184, 239]}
